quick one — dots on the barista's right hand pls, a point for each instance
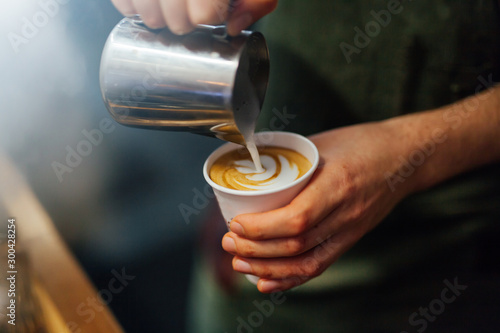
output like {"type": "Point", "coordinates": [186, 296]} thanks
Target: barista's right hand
{"type": "Point", "coordinates": [181, 16]}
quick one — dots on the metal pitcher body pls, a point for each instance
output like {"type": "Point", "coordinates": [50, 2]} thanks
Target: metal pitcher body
{"type": "Point", "coordinates": [204, 82]}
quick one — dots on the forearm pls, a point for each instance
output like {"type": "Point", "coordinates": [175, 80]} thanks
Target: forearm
{"type": "Point", "coordinates": [446, 142]}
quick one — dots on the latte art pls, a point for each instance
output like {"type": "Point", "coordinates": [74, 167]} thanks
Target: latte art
{"type": "Point", "coordinates": [281, 166]}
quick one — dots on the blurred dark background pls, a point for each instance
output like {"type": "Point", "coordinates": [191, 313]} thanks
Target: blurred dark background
{"type": "Point", "coordinates": [118, 208]}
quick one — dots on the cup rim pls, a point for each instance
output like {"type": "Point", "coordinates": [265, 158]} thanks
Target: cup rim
{"type": "Point", "coordinates": [244, 193]}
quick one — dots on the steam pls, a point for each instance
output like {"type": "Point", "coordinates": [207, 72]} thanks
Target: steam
{"type": "Point", "coordinates": [41, 67]}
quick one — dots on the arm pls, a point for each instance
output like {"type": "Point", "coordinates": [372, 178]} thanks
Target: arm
{"type": "Point", "coordinates": [466, 135]}
{"type": "Point", "coordinates": [363, 176]}
{"type": "Point", "coordinates": [181, 16]}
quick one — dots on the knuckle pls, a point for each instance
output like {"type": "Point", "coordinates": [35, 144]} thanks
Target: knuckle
{"type": "Point", "coordinates": [348, 185]}
{"type": "Point", "coordinates": [356, 213]}
{"type": "Point", "coordinates": [256, 232]}
{"type": "Point", "coordinates": [265, 272]}
{"type": "Point", "coordinates": [311, 268]}
{"type": "Point", "coordinates": [296, 245]}
{"type": "Point", "coordinates": [349, 190]}
{"type": "Point", "coordinates": [300, 222]}
{"type": "Point", "coordinates": [247, 250]}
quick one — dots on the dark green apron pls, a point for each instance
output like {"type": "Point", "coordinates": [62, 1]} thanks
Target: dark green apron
{"type": "Point", "coordinates": [340, 62]}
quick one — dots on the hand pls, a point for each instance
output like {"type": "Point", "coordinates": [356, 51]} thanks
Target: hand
{"type": "Point", "coordinates": [346, 198]}
{"type": "Point", "coordinates": [364, 174]}
{"type": "Point", "coordinates": [181, 16]}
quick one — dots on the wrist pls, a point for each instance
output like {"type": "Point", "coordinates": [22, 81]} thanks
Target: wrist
{"type": "Point", "coordinates": [417, 140]}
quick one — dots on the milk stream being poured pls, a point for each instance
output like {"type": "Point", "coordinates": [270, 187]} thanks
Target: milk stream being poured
{"type": "Point", "coordinates": [254, 153]}
{"type": "Point", "coordinates": [247, 107]}
{"type": "Point", "coordinates": [247, 129]}
{"type": "Point", "coordinates": [248, 110]}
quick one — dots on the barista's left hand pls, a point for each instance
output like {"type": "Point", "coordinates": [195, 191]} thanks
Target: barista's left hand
{"type": "Point", "coordinates": [347, 197]}
{"type": "Point", "coordinates": [363, 175]}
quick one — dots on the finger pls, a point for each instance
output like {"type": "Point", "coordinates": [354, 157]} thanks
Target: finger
{"type": "Point", "coordinates": [304, 267]}
{"type": "Point", "coordinates": [208, 12]}
{"type": "Point", "coordinates": [313, 204]}
{"type": "Point", "coordinates": [151, 13]}
{"type": "Point", "coordinates": [271, 286]}
{"type": "Point", "coordinates": [246, 12]}
{"type": "Point", "coordinates": [126, 7]}
{"type": "Point", "coordinates": [284, 247]}
{"type": "Point", "coordinates": [175, 13]}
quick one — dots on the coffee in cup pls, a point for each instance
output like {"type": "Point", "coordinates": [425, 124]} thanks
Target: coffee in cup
{"type": "Point", "coordinates": [280, 166]}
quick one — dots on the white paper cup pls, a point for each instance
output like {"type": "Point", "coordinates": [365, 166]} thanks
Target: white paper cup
{"type": "Point", "coordinates": [235, 202]}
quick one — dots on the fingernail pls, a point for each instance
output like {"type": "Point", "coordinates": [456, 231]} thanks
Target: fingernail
{"type": "Point", "coordinates": [228, 244]}
{"type": "Point", "coordinates": [242, 266]}
{"type": "Point", "coordinates": [237, 228]}
{"type": "Point", "coordinates": [269, 285]}
{"type": "Point", "coordinates": [239, 23]}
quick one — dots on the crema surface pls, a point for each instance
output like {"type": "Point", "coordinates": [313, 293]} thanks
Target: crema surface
{"type": "Point", "coordinates": [281, 166]}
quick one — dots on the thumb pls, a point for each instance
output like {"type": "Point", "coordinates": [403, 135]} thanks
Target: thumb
{"type": "Point", "coordinates": [246, 12]}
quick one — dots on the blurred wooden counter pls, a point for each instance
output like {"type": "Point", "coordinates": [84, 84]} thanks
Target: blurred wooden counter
{"type": "Point", "coordinates": [59, 283]}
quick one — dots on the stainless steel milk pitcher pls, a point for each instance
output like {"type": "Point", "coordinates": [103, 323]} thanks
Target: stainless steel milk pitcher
{"type": "Point", "coordinates": [204, 82]}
